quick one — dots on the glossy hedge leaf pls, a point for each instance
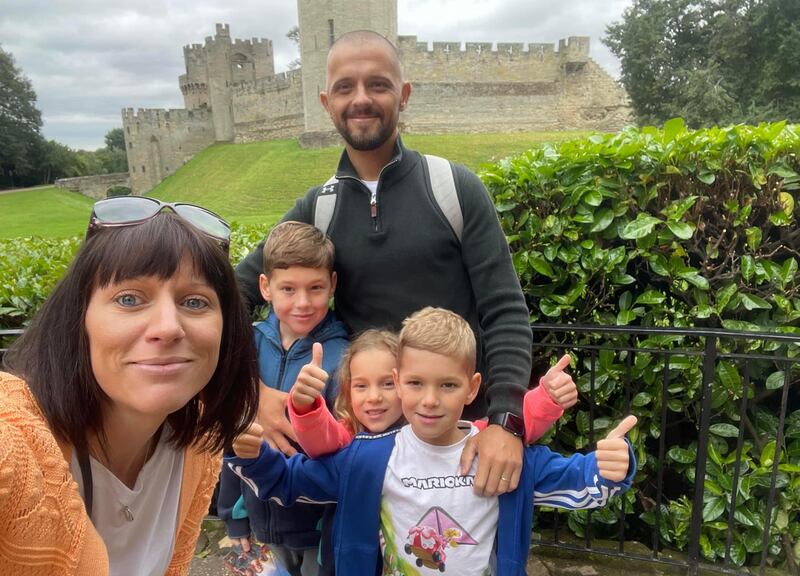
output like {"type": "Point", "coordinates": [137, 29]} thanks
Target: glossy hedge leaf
{"type": "Point", "coordinates": [641, 399]}
{"type": "Point", "coordinates": [725, 430]}
{"type": "Point", "coordinates": [639, 228]}
{"type": "Point", "coordinates": [651, 297]}
{"type": "Point", "coordinates": [682, 230]}
{"type": "Point", "coordinates": [542, 266]}
{"type": "Point", "coordinates": [748, 267]}
{"type": "Point", "coordinates": [713, 508]}
{"type": "Point", "coordinates": [724, 296]}
{"type": "Point", "coordinates": [602, 220]}
{"type": "Point", "coordinates": [751, 302]}
{"type": "Point", "coordinates": [776, 380]}
{"type": "Point", "coordinates": [681, 455]}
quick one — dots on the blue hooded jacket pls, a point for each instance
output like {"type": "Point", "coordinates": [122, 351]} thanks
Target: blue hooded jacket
{"type": "Point", "coordinates": [354, 477]}
{"type": "Point", "coordinates": [296, 527]}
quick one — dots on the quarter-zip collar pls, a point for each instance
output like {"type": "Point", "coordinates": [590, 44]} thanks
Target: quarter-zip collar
{"type": "Point", "coordinates": [400, 157]}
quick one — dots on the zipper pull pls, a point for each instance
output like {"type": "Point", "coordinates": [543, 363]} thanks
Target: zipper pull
{"type": "Point", "coordinates": [373, 203]}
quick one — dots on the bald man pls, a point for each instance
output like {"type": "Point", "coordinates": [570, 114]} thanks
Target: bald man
{"type": "Point", "coordinates": [396, 252]}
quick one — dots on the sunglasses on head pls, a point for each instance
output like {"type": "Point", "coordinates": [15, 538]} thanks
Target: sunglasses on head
{"type": "Point", "coordinates": [133, 210]}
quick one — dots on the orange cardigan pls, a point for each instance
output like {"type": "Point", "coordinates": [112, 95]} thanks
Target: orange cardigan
{"type": "Point", "coordinates": [44, 528]}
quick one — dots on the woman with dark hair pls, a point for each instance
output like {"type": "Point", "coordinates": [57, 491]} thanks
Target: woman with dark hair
{"type": "Point", "coordinates": [137, 371]}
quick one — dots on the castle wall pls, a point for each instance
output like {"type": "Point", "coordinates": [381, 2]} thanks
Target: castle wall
{"type": "Point", "coordinates": [582, 100]}
{"type": "Point", "coordinates": [269, 109]}
{"type": "Point", "coordinates": [480, 87]}
{"type": "Point", "coordinates": [486, 63]}
{"type": "Point", "coordinates": [158, 142]}
{"type": "Point", "coordinates": [93, 186]}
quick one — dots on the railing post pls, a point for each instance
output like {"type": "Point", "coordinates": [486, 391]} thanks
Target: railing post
{"type": "Point", "coordinates": [709, 366]}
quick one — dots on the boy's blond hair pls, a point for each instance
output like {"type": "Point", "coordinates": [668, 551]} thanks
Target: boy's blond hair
{"type": "Point", "coordinates": [440, 331]}
{"type": "Point", "coordinates": [297, 244]}
{"type": "Point", "coordinates": [371, 339]}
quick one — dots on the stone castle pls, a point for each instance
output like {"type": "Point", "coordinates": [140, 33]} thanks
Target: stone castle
{"type": "Point", "coordinates": [232, 93]}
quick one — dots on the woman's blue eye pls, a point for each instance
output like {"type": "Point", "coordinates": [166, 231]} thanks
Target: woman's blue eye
{"type": "Point", "coordinates": [127, 300]}
{"type": "Point", "coordinates": [196, 303]}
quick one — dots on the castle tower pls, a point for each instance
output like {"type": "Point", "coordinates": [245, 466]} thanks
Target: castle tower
{"type": "Point", "coordinates": [213, 69]}
{"type": "Point", "coordinates": [323, 21]}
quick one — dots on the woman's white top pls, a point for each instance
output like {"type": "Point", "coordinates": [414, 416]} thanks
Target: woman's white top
{"type": "Point", "coordinates": [137, 526]}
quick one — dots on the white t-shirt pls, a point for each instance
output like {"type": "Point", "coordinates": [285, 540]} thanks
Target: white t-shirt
{"type": "Point", "coordinates": [142, 546]}
{"type": "Point", "coordinates": [431, 520]}
{"type": "Point", "coordinates": [372, 185]}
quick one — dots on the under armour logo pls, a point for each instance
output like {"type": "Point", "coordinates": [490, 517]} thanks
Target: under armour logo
{"type": "Point", "coordinates": [328, 189]}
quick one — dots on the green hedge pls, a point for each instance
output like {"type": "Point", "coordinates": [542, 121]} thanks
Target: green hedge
{"type": "Point", "coordinates": [30, 267]}
{"type": "Point", "coordinates": [672, 228]}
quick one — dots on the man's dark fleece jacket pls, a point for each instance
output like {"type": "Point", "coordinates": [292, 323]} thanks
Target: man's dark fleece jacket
{"type": "Point", "coordinates": [402, 254]}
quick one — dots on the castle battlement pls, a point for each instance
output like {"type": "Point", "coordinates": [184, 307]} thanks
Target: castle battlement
{"type": "Point", "coordinates": [249, 44]}
{"type": "Point", "coordinates": [279, 81]}
{"type": "Point", "coordinates": [573, 49]}
{"type": "Point", "coordinates": [161, 115]}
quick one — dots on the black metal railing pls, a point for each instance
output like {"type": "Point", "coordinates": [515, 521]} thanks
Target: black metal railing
{"type": "Point", "coordinates": [7, 335]}
{"type": "Point", "coordinates": [715, 356]}
{"type": "Point", "coordinates": [706, 350]}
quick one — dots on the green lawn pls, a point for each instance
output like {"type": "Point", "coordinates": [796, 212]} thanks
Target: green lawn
{"type": "Point", "coordinates": [249, 183]}
{"type": "Point", "coordinates": [48, 212]}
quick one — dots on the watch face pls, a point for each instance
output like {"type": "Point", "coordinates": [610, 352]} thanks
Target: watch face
{"type": "Point", "coordinates": [514, 424]}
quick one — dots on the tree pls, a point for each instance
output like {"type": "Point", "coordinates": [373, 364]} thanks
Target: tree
{"type": "Point", "coordinates": [294, 35]}
{"type": "Point", "coordinates": [113, 158]}
{"type": "Point", "coordinates": [20, 120]}
{"type": "Point", "coordinates": [710, 61]}
{"type": "Point", "coordinates": [115, 139]}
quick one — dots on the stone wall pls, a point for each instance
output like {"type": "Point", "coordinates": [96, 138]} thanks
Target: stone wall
{"type": "Point", "coordinates": [269, 109]}
{"type": "Point", "coordinates": [94, 186]}
{"type": "Point", "coordinates": [584, 99]}
{"type": "Point", "coordinates": [159, 142]}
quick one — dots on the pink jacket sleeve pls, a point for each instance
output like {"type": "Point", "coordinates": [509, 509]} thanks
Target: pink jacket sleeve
{"type": "Point", "coordinates": [539, 412]}
{"type": "Point", "coordinates": [318, 432]}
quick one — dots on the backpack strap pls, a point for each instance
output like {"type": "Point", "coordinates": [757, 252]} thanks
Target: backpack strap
{"type": "Point", "coordinates": [443, 186]}
{"type": "Point", "coordinates": [325, 204]}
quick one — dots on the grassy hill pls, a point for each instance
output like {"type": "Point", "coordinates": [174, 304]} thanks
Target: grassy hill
{"type": "Point", "coordinates": [248, 183]}
{"type": "Point", "coordinates": [49, 212]}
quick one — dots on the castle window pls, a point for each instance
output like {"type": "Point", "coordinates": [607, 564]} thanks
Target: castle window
{"type": "Point", "coordinates": [143, 168]}
{"type": "Point", "coordinates": [130, 145]}
{"type": "Point", "coordinates": [133, 168]}
{"type": "Point", "coordinates": [331, 35]}
{"type": "Point", "coordinates": [129, 129]}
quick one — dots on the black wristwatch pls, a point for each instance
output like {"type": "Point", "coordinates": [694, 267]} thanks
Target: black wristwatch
{"type": "Point", "coordinates": [510, 422]}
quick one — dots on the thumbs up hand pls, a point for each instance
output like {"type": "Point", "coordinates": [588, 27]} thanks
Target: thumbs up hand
{"type": "Point", "coordinates": [612, 452]}
{"type": "Point", "coordinates": [310, 382]}
{"type": "Point", "coordinates": [560, 385]}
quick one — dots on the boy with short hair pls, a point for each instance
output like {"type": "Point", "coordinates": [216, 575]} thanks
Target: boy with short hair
{"type": "Point", "coordinates": [407, 485]}
{"type": "Point", "coordinates": [298, 282]}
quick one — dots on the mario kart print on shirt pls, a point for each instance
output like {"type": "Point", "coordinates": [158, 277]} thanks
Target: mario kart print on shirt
{"type": "Point", "coordinates": [431, 520]}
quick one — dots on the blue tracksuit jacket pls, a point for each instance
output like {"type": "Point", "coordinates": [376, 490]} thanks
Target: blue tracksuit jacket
{"type": "Point", "coordinates": [354, 476]}
{"type": "Point", "coordinates": [295, 527]}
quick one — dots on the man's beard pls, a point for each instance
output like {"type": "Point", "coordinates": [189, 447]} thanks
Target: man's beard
{"type": "Point", "coordinates": [365, 141]}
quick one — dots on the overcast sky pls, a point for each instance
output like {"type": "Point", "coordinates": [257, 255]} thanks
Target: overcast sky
{"type": "Point", "coordinates": [88, 59]}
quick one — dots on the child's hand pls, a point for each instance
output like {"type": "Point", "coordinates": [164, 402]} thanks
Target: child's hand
{"type": "Point", "coordinates": [559, 384]}
{"type": "Point", "coordinates": [310, 382]}
{"type": "Point", "coordinates": [248, 444]}
{"type": "Point", "coordinates": [612, 453]}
